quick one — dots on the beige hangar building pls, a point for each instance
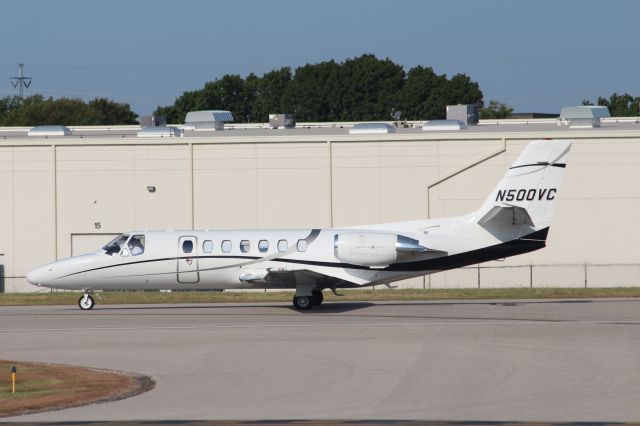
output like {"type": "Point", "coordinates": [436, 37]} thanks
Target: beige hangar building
{"type": "Point", "coordinates": [69, 194]}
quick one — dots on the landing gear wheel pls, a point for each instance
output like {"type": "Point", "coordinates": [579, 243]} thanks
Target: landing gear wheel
{"type": "Point", "coordinates": [86, 302]}
{"type": "Point", "coordinates": [302, 303]}
{"type": "Point", "coordinates": [317, 297]}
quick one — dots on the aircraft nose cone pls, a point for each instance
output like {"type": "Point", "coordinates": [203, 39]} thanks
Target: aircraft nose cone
{"type": "Point", "coordinates": [38, 276]}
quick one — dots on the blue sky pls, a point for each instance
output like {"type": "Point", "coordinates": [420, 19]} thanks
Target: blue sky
{"type": "Point", "coordinates": [534, 55]}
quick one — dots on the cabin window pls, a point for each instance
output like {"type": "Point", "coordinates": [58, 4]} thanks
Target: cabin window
{"type": "Point", "coordinates": [187, 246]}
{"type": "Point", "coordinates": [283, 245]}
{"type": "Point", "coordinates": [302, 245]}
{"type": "Point", "coordinates": [263, 246]}
{"type": "Point", "coordinates": [244, 246]}
{"type": "Point", "coordinates": [114, 246]}
{"type": "Point", "coordinates": [226, 246]}
{"type": "Point", "coordinates": [207, 246]}
{"type": "Point", "coordinates": [136, 245]}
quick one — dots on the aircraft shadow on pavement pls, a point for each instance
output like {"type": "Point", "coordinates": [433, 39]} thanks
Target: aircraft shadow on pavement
{"type": "Point", "coordinates": [338, 306]}
{"type": "Point", "coordinates": [326, 308]}
{"type": "Point", "coordinates": [357, 309]}
{"type": "Point", "coordinates": [493, 302]}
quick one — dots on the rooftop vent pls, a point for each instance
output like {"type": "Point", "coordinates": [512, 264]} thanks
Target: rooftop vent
{"type": "Point", "coordinates": [159, 132]}
{"type": "Point", "coordinates": [440, 125]}
{"type": "Point", "coordinates": [584, 116]}
{"type": "Point", "coordinates": [43, 131]}
{"type": "Point", "coordinates": [371, 128]}
{"type": "Point", "coordinates": [207, 120]}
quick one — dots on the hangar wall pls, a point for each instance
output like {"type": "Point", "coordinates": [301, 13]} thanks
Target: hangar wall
{"type": "Point", "coordinates": [64, 196]}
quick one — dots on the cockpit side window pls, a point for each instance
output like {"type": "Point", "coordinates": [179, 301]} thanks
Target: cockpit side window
{"type": "Point", "coordinates": [136, 245]}
{"type": "Point", "coordinates": [114, 246]}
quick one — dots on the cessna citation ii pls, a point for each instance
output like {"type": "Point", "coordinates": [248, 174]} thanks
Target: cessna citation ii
{"type": "Point", "coordinates": [514, 219]}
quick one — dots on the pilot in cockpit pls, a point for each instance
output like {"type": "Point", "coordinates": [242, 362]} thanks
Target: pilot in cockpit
{"type": "Point", "coordinates": [136, 245]}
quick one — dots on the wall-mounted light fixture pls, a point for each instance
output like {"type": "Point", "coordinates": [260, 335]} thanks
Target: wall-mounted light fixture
{"type": "Point", "coordinates": [151, 188]}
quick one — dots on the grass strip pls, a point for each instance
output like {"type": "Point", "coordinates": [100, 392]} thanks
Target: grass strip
{"type": "Point", "coordinates": [148, 297]}
{"type": "Point", "coordinates": [45, 387]}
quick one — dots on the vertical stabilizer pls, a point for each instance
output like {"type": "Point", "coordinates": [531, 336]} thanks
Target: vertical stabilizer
{"type": "Point", "coordinates": [526, 195]}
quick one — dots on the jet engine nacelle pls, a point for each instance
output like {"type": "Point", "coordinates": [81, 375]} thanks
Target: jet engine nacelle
{"type": "Point", "coordinates": [375, 249]}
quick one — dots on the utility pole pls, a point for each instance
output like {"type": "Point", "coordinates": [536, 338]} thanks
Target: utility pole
{"type": "Point", "coordinates": [22, 81]}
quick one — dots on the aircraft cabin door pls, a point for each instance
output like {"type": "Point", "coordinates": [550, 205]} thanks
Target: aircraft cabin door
{"type": "Point", "coordinates": [188, 260]}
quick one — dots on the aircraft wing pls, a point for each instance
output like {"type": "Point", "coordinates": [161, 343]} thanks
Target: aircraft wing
{"type": "Point", "coordinates": [289, 278]}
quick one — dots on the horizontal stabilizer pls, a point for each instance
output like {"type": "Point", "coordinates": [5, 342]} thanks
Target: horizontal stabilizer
{"type": "Point", "coordinates": [505, 216]}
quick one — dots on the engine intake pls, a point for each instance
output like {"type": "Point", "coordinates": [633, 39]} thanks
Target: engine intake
{"type": "Point", "coordinates": [375, 249]}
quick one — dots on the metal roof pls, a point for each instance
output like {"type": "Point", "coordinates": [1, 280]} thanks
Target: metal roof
{"type": "Point", "coordinates": [529, 128]}
{"type": "Point", "coordinates": [49, 131]}
{"type": "Point", "coordinates": [368, 128]}
{"type": "Point", "coordinates": [208, 116]}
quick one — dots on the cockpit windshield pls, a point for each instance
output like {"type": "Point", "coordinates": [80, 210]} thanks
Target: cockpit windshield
{"type": "Point", "coordinates": [114, 247]}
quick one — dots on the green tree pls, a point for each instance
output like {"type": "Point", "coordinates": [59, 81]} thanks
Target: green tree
{"type": "Point", "coordinates": [107, 112]}
{"type": "Point", "coordinates": [36, 110]}
{"type": "Point", "coordinates": [370, 88]}
{"type": "Point", "coordinates": [423, 96]}
{"type": "Point", "coordinates": [268, 93]}
{"type": "Point", "coordinates": [461, 90]}
{"type": "Point", "coordinates": [496, 109]}
{"type": "Point", "coordinates": [177, 112]}
{"type": "Point", "coordinates": [623, 105]}
{"type": "Point", "coordinates": [313, 94]}
{"type": "Point", "coordinates": [361, 88]}
{"type": "Point", "coordinates": [226, 93]}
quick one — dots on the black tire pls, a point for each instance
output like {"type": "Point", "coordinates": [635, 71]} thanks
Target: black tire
{"type": "Point", "coordinates": [317, 297]}
{"type": "Point", "coordinates": [302, 303]}
{"type": "Point", "coordinates": [90, 303]}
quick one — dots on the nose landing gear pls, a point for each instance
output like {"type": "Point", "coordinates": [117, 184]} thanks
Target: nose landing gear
{"type": "Point", "coordinates": [86, 302]}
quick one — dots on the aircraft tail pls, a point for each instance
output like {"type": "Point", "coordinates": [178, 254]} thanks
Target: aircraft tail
{"type": "Point", "coordinates": [523, 201]}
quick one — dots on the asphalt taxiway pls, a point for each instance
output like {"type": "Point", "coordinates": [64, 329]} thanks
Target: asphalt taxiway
{"type": "Point", "coordinates": [538, 360]}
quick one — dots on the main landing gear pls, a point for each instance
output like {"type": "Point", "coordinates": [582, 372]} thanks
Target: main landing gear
{"type": "Point", "coordinates": [86, 302]}
{"type": "Point", "coordinates": [304, 303]}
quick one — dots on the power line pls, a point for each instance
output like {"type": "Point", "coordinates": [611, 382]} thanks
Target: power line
{"type": "Point", "coordinates": [22, 81]}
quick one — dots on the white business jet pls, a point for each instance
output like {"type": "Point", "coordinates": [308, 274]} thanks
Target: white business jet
{"type": "Point", "coordinates": [514, 219]}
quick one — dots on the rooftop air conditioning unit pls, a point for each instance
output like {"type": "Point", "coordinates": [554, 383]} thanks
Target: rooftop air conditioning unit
{"type": "Point", "coordinates": [467, 114]}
